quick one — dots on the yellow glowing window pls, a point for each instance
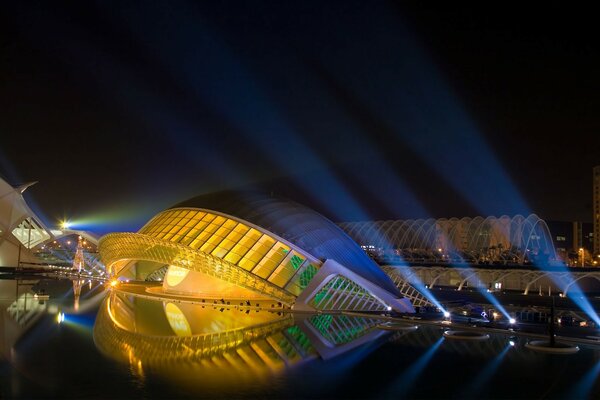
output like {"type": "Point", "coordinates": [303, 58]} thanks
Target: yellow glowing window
{"type": "Point", "coordinates": [241, 228]}
{"type": "Point", "coordinates": [208, 217]}
{"type": "Point", "coordinates": [167, 236]}
{"type": "Point", "coordinates": [182, 234]}
{"type": "Point", "coordinates": [162, 234]}
{"type": "Point", "coordinates": [176, 238]}
{"type": "Point", "coordinates": [189, 213]}
{"type": "Point", "coordinates": [271, 260]}
{"type": "Point", "coordinates": [223, 248]}
{"type": "Point", "coordinates": [254, 256]}
{"type": "Point", "coordinates": [192, 222]}
{"type": "Point", "coordinates": [230, 224]}
{"type": "Point", "coordinates": [242, 247]}
{"type": "Point", "coordinates": [200, 240]}
{"type": "Point", "coordinates": [218, 220]}
{"type": "Point", "coordinates": [250, 238]}
{"type": "Point", "coordinates": [247, 263]}
{"type": "Point", "coordinates": [189, 236]}
{"type": "Point", "coordinates": [263, 245]}
{"type": "Point", "coordinates": [211, 243]}
{"type": "Point", "coordinates": [222, 232]}
{"type": "Point", "coordinates": [201, 225]}
{"type": "Point", "coordinates": [233, 257]}
{"type": "Point", "coordinates": [265, 268]}
{"type": "Point", "coordinates": [236, 253]}
{"type": "Point", "coordinates": [227, 244]}
{"type": "Point", "coordinates": [167, 224]}
{"type": "Point", "coordinates": [183, 222]}
{"type": "Point", "coordinates": [281, 278]}
{"type": "Point", "coordinates": [157, 223]}
{"type": "Point", "coordinates": [211, 228]}
{"type": "Point", "coordinates": [175, 228]}
{"type": "Point", "coordinates": [287, 269]}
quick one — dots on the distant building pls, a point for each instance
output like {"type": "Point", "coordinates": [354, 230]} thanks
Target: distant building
{"type": "Point", "coordinates": [25, 241]}
{"type": "Point", "coordinates": [596, 195]}
{"type": "Point", "coordinates": [20, 229]}
{"type": "Point", "coordinates": [571, 236]}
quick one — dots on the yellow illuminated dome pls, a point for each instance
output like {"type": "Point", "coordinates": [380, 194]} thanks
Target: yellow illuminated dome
{"type": "Point", "coordinates": [245, 246]}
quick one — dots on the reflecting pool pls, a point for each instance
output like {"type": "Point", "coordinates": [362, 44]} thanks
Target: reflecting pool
{"type": "Point", "coordinates": [79, 339]}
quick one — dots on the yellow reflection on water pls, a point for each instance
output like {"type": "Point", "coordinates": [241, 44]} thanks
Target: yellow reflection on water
{"type": "Point", "coordinates": [177, 320]}
{"type": "Point", "coordinates": [195, 344]}
{"type": "Point", "coordinates": [218, 345]}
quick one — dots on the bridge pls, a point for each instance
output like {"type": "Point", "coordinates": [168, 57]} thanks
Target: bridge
{"type": "Point", "coordinates": [495, 277]}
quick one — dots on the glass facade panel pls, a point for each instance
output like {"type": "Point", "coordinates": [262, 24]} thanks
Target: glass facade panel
{"type": "Point", "coordinates": [30, 233]}
{"type": "Point", "coordinates": [287, 269]}
{"type": "Point", "coordinates": [301, 280]}
{"type": "Point", "coordinates": [271, 260]}
{"type": "Point", "coordinates": [200, 239]}
{"type": "Point", "coordinates": [257, 252]}
{"type": "Point", "coordinates": [210, 243]}
{"type": "Point", "coordinates": [236, 243]}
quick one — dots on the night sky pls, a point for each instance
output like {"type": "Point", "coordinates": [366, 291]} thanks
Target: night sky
{"type": "Point", "coordinates": [361, 110]}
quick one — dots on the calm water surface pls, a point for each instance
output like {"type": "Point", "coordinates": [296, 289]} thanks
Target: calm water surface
{"type": "Point", "coordinates": [73, 339]}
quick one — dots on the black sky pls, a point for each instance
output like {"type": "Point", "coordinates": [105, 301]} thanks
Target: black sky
{"type": "Point", "coordinates": [360, 109]}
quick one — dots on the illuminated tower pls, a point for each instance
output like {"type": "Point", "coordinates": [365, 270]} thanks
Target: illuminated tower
{"type": "Point", "coordinates": [78, 261]}
{"type": "Point", "coordinates": [596, 178]}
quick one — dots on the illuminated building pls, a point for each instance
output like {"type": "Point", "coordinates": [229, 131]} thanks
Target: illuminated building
{"type": "Point", "coordinates": [569, 238]}
{"type": "Point", "coordinates": [235, 245]}
{"type": "Point", "coordinates": [509, 240]}
{"type": "Point", "coordinates": [25, 241]}
{"type": "Point", "coordinates": [20, 229]}
{"type": "Point", "coordinates": [596, 206]}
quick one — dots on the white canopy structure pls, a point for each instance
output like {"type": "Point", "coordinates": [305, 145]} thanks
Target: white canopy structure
{"type": "Point", "coordinates": [515, 239]}
{"type": "Point", "coordinates": [20, 229]}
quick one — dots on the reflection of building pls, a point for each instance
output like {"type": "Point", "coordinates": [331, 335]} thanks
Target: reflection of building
{"type": "Point", "coordinates": [213, 346]}
{"type": "Point", "coordinates": [596, 206]}
{"type": "Point", "coordinates": [244, 246]}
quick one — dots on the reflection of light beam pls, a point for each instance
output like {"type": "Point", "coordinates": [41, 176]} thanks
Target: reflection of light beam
{"type": "Point", "coordinates": [484, 376]}
{"type": "Point", "coordinates": [403, 384]}
{"type": "Point", "coordinates": [81, 324]}
{"type": "Point", "coordinates": [586, 383]}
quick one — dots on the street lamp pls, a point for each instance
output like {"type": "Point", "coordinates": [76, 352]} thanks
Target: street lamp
{"type": "Point", "coordinates": [582, 252]}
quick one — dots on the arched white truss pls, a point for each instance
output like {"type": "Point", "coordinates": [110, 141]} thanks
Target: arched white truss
{"type": "Point", "coordinates": [523, 280]}
{"type": "Point", "coordinates": [503, 239]}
